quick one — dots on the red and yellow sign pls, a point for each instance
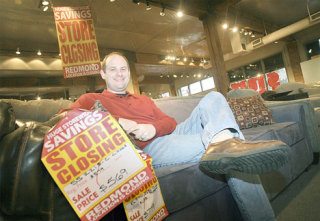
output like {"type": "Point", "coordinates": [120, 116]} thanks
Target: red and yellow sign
{"type": "Point", "coordinates": [77, 41]}
{"type": "Point", "coordinates": [147, 203]}
{"type": "Point", "coordinates": [93, 162]}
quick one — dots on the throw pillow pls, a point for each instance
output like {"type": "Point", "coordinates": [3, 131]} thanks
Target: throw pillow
{"type": "Point", "coordinates": [250, 111]}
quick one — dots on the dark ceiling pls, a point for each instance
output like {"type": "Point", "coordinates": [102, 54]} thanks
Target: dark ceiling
{"type": "Point", "coordinates": [124, 25]}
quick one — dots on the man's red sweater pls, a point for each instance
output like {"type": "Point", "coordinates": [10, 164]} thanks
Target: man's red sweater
{"type": "Point", "coordinates": [138, 108]}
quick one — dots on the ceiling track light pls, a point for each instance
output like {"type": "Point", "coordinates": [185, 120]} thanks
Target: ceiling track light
{"type": "Point", "coordinates": [18, 51]}
{"type": "Point", "coordinates": [179, 14]}
{"type": "Point", "coordinates": [235, 29]}
{"type": "Point", "coordinates": [225, 25]}
{"type": "Point", "coordinates": [45, 8]}
{"type": "Point", "coordinates": [45, 2]}
{"type": "Point", "coordinates": [162, 13]}
{"type": "Point", "coordinates": [39, 52]}
{"type": "Point", "coordinates": [148, 6]}
{"type": "Point", "coordinates": [44, 5]}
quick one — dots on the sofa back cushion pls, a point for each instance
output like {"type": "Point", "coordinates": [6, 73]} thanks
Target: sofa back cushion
{"type": "Point", "coordinates": [37, 110]}
{"type": "Point", "coordinates": [179, 108]}
{"type": "Point", "coordinates": [7, 118]}
{"type": "Point", "coordinates": [295, 87]}
{"type": "Point", "coordinates": [238, 93]}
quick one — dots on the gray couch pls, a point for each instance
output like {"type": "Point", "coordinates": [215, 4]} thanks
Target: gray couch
{"type": "Point", "coordinates": [188, 193]}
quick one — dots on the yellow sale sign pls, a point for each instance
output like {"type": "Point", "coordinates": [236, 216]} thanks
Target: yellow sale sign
{"type": "Point", "coordinates": [77, 41]}
{"type": "Point", "coordinates": [93, 162]}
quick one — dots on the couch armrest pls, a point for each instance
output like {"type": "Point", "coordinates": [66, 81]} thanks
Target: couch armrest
{"type": "Point", "coordinates": [299, 111]}
{"type": "Point", "coordinates": [289, 112]}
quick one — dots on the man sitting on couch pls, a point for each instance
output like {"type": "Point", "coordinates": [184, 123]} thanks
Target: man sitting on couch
{"type": "Point", "coordinates": [209, 136]}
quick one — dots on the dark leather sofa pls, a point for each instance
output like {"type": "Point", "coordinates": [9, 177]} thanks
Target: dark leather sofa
{"type": "Point", "coordinates": [29, 194]}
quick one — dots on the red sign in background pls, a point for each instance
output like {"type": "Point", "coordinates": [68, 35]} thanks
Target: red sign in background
{"type": "Point", "coordinates": [258, 83]}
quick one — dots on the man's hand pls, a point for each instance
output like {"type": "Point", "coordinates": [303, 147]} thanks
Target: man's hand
{"type": "Point", "coordinates": [128, 125]}
{"type": "Point", "coordinates": [144, 132]}
{"type": "Point", "coordinates": [141, 132]}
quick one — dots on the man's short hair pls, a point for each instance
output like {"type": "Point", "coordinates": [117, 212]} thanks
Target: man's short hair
{"type": "Point", "coordinates": [104, 62]}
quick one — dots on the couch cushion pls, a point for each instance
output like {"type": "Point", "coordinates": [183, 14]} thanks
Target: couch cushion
{"type": "Point", "coordinates": [288, 132]}
{"type": "Point", "coordinates": [294, 87]}
{"type": "Point", "coordinates": [37, 110]}
{"type": "Point", "coordinates": [250, 111]}
{"type": "Point", "coordinates": [24, 183]}
{"type": "Point", "coordinates": [7, 118]}
{"type": "Point", "coordinates": [178, 108]}
{"type": "Point", "coordinates": [238, 93]}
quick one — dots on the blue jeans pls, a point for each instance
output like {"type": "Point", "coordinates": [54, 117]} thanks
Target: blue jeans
{"type": "Point", "coordinates": [188, 142]}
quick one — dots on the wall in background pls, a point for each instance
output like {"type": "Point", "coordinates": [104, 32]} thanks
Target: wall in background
{"type": "Point", "coordinates": [311, 70]}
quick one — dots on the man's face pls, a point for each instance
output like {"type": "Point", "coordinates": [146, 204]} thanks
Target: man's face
{"type": "Point", "coordinates": [117, 74]}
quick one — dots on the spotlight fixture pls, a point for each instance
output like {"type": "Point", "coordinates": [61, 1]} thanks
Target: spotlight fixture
{"type": "Point", "coordinates": [18, 51]}
{"type": "Point", "coordinates": [185, 59]}
{"type": "Point", "coordinates": [148, 6]}
{"type": "Point", "coordinates": [179, 14]}
{"type": "Point", "coordinates": [225, 25]}
{"type": "Point", "coordinates": [44, 5]}
{"type": "Point", "coordinates": [234, 29]}
{"type": "Point", "coordinates": [45, 2]}
{"type": "Point", "coordinates": [162, 13]}
{"type": "Point", "coordinates": [112, 0]}
{"type": "Point", "coordinates": [39, 52]}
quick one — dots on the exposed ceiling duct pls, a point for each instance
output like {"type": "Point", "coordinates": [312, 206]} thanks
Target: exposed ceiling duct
{"type": "Point", "coordinates": [284, 32]}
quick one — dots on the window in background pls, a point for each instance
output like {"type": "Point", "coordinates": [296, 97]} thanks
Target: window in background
{"type": "Point", "coordinates": [260, 79]}
{"type": "Point", "coordinates": [166, 94]}
{"type": "Point", "coordinates": [195, 87]}
{"type": "Point", "coordinates": [236, 75]}
{"type": "Point", "coordinates": [184, 91]}
{"type": "Point", "coordinates": [273, 63]}
{"type": "Point", "coordinates": [275, 71]}
{"type": "Point", "coordinates": [276, 77]}
{"type": "Point", "coordinates": [207, 83]}
{"type": "Point", "coordinates": [313, 49]}
{"type": "Point", "coordinates": [253, 69]}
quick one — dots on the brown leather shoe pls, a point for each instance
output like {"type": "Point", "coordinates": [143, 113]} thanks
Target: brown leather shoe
{"type": "Point", "coordinates": [253, 157]}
